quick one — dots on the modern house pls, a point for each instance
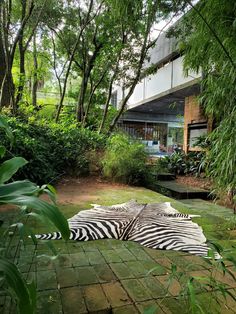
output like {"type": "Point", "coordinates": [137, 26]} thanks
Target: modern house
{"type": "Point", "coordinates": [163, 110]}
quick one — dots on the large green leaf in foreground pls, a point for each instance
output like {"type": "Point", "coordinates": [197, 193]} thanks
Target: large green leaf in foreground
{"type": "Point", "coordinates": [46, 210]}
{"type": "Point", "coordinates": [18, 188]}
{"type": "Point", "coordinates": [25, 293]}
{"type": "Point", "coordinates": [4, 125]}
{"type": "Point", "coordinates": [10, 167]}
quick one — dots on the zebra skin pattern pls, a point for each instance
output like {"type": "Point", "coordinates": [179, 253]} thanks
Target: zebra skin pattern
{"type": "Point", "coordinates": [157, 226]}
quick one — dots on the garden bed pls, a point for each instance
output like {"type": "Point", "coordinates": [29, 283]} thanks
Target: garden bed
{"type": "Point", "coordinates": [196, 182]}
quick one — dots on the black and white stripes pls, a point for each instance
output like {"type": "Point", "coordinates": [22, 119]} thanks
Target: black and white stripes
{"type": "Point", "coordinates": [157, 226]}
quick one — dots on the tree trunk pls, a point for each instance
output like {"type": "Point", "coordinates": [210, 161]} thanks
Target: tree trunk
{"type": "Point", "coordinates": [81, 98]}
{"type": "Point", "coordinates": [21, 82]}
{"type": "Point", "coordinates": [106, 106]}
{"type": "Point", "coordinates": [88, 68]}
{"type": "Point", "coordinates": [2, 62]}
{"type": "Point", "coordinates": [91, 97]}
{"type": "Point", "coordinates": [8, 87]}
{"type": "Point", "coordinates": [143, 54]}
{"type": "Point", "coordinates": [5, 94]}
{"type": "Point", "coordinates": [122, 107]}
{"type": "Point", "coordinates": [35, 76]}
{"type": "Point", "coordinates": [5, 97]}
{"type": "Point", "coordinates": [88, 19]}
{"type": "Point", "coordinates": [110, 92]}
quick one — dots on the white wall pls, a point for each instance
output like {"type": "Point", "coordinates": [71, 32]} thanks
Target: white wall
{"type": "Point", "coordinates": [166, 78]}
{"type": "Point", "coordinates": [169, 76]}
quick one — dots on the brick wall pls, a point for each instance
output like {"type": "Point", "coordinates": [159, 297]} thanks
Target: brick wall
{"type": "Point", "coordinates": [193, 114]}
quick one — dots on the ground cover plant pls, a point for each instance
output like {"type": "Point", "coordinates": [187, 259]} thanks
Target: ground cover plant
{"type": "Point", "coordinates": [193, 163]}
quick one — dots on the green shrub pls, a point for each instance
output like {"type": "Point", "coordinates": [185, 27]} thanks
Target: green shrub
{"type": "Point", "coordinates": [181, 163]}
{"type": "Point", "coordinates": [52, 150]}
{"type": "Point", "coordinates": [125, 160]}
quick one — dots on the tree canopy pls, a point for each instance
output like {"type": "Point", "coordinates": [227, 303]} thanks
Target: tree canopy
{"type": "Point", "coordinates": [79, 48]}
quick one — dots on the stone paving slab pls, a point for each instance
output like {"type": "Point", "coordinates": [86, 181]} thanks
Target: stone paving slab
{"type": "Point", "coordinates": [111, 276]}
{"type": "Point", "coordinates": [73, 300]}
{"type": "Point", "coordinates": [95, 298]}
{"type": "Point", "coordinates": [116, 294]}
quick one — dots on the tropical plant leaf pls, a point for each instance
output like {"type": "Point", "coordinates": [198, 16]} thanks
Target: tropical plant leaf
{"type": "Point", "coordinates": [192, 295]}
{"type": "Point", "coordinates": [2, 151]}
{"type": "Point", "coordinates": [44, 209]}
{"type": "Point", "coordinates": [50, 191]}
{"type": "Point", "coordinates": [32, 289]}
{"type": "Point", "coordinates": [51, 188]}
{"type": "Point", "coordinates": [24, 231]}
{"type": "Point", "coordinates": [4, 125]}
{"type": "Point", "coordinates": [24, 293]}
{"type": "Point", "coordinates": [10, 167]}
{"type": "Point", "coordinates": [216, 246]}
{"type": "Point", "coordinates": [18, 188]}
{"type": "Point", "coordinates": [52, 247]}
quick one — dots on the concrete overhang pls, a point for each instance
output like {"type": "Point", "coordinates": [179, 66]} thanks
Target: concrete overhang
{"type": "Point", "coordinates": [169, 102]}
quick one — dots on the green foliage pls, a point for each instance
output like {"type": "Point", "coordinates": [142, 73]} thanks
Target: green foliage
{"type": "Point", "coordinates": [125, 160]}
{"type": "Point", "coordinates": [181, 163]}
{"type": "Point", "coordinates": [208, 41]}
{"type": "Point", "coordinates": [222, 156]}
{"type": "Point", "coordinates": [95, 117]}
{"type": "Point", "coordinates": [52, 150]}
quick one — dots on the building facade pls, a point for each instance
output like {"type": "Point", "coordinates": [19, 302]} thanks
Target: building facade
{"type": "Point", "coordinates": [163, 111]}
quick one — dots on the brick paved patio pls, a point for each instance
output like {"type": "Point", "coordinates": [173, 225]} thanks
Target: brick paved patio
{"type": "Point", "coordinates": [110, 276]}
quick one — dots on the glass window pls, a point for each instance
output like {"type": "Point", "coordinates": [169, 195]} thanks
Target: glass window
{"type": "Point", "coordinates": [175, 138]}
{"type": "Point", "coordinates": [196, 130]}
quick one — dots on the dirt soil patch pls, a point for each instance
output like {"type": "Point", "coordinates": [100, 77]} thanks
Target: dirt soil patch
{"type": "Point", "coordinates": [75, 190]}
{"type": "Point", "coordinates": [202, 183]}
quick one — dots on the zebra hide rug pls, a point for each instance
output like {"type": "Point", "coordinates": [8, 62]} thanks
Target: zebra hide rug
{"type": "Point", "coordinates": [156, 226]}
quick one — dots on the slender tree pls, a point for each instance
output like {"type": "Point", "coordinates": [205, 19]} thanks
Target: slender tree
{"type": "Point", "coordinates": [147, 14]}
{"type": "Point", "coordinates": [25, 39]}
{"type": "Point", "coordinates": [85, 22]}
{"type": "Point", "coordinates": [10, 44]}
{"type": "Point", "coordinates": [35, 73]}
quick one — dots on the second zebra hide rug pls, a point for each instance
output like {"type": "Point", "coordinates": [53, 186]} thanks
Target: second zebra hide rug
{"type": "Point", "coordinates": [156, 226]}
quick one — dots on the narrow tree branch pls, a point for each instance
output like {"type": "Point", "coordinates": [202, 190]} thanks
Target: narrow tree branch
{"type": "Point", "coordinates": [22, 26]}
{"type": "Point", "coordinates": [35, 26]}
{"type": "Point", "coordinates": [87, 21]}
{"type": "Point", "coordinates": [213, 32]}
{"type": "Point", "coordinates": [93, 89]}
{"type": "Point", "coordinates": [65, 46]}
